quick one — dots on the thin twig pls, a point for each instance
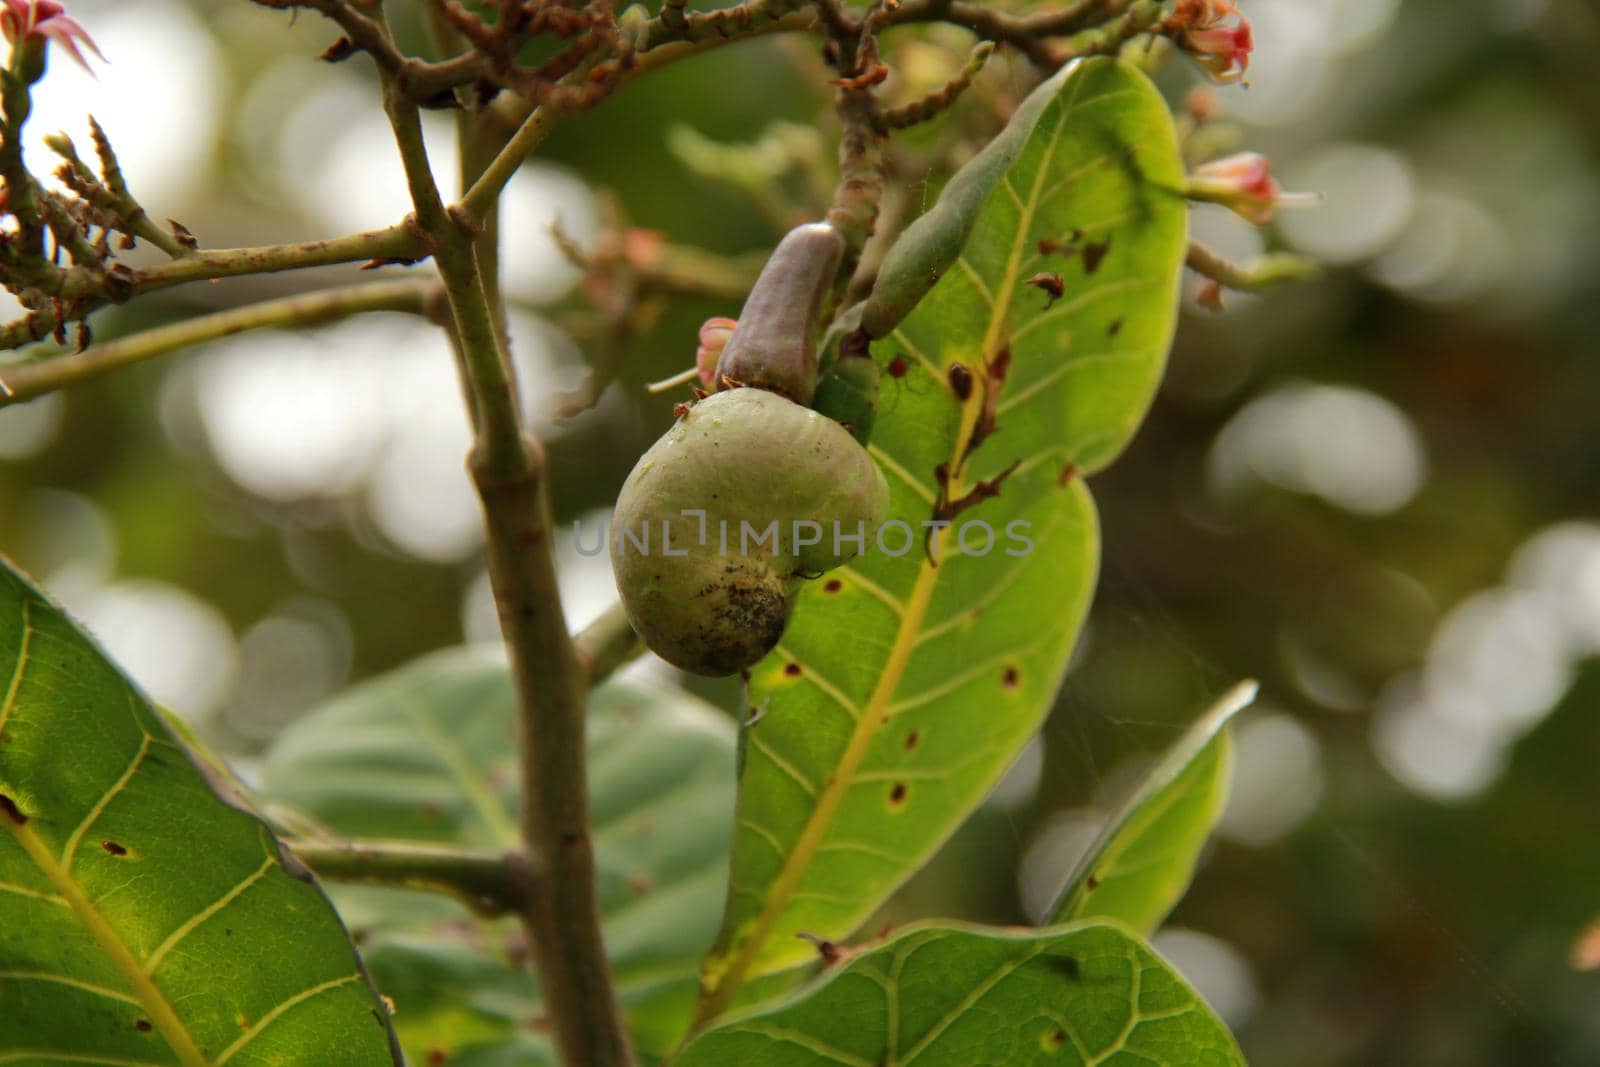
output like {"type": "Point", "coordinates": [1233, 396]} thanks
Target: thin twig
{"type": "Point", "coordinates": [486, 190]}
{"type": "Point", "coordinates": [83, 290]}
{"type": "Point", "coordinates": [25, 381]}
{"type": "Point", "coordinates": [607, 644]}
{"type": "Point", "coordinates": [942, 98]}
{"type": "Point", "coordinates": [490, 882]}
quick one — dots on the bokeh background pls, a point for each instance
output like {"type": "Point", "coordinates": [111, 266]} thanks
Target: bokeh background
{"type": "Point", "coordinates": [1378, 493]}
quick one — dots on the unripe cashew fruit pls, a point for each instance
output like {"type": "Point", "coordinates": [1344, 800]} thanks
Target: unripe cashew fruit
{"type": "Point", "coordinates": [748, 494]}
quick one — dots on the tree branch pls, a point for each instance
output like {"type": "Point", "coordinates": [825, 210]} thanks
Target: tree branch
{"type": "Point", "coordinates": [607, 644]}
{"type": "Point", "coordinates": [489, 882]}
{"type": "Point", "coordinates": [508, 468]}
{"type": "Point", "coordinates": [25, 381]}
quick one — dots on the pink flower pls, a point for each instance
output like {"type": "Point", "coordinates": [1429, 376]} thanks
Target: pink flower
{"type": "Point", "coordinates": [714, 336]}
{"type": "Point", "coordinates": [1222, 50]}
{"type": "Point", "coordinates": [46, 20]}
{"type": "Point", "coordinates": [1243, 183]}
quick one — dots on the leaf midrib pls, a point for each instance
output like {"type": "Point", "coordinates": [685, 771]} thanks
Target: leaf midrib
{"type": "Point", "coordinates": [150, 997]}
{"type": "Point", "coordinates": [905, 643]}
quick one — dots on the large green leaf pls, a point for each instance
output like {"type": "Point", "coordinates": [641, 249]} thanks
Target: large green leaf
{"type": "Point", "coordinates": [904, 686]}
{"type": "Point", "coordinates": [143, 920]}
{"type": "Point", "coordinates": [428, 753]}
{"type": "Point", "coordinates": [961, 996]}
{"type": "Point", "coordinates": [1141, 863]}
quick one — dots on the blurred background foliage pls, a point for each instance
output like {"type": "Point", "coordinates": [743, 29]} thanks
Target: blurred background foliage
{"type": "Point", "coordinates": [1376, 493]}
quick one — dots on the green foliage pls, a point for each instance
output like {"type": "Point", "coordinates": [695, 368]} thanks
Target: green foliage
{"type": "Point", "coordinates": [427, 753]}
{"type": "Point", "coordinates": [907, 683]}
{"type": "Point", "coordinates": [962, 996]}
{"type": "Point", "coordinates": [1139, 866]}
{"type": "Point", "coordinates": [147, 918]}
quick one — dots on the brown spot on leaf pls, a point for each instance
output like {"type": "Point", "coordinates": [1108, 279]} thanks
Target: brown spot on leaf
{"type": "Point", "coordinates": [945, 508]}
{"type": "Point", "coordinates": [897, 794]}
{"type": "Point", "coordinates": [1066, 966]}
{"type": "Point", "coordinates": [833, 585]}
{"type": "Point", "coordinates": [1094, 881]}
{"type": "Point", "coordinates": [898, 367]}
{"type": "Point", "coordinates": [1115, 327]}
{"type": "Point", "coordinates": [113, 848]}
{"type": "Point", "coordinates": [911, 740]}
{"type": "Point", "coordinates": [793, 670]}
{"type": "Point", "coordinates": [830, 952]}
{"type": "Point", "coordinates": [437, 1057]}
{"type": "Point", "coordinates": [1094, 255]}
{"type": "Point", "coordinates": [960, 381]}
{"type": "Point", "coordinates": [142, 1025]}
{"type": "Point", "coordinates": [1053, 285]}
{"type": "Point", "coordinates": [1068, 472]}
{"type": "Point", "coordinates": [988, 418]}
{"type": "Point", "coordinates": [1010, 677]}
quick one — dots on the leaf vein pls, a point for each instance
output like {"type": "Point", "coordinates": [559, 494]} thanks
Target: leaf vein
{"type": "Point", "coordinates": [23, 646]}
{"type": "Point", "coordinates": [763, 746]}
{"type": "Point", "coordinates": [105, 799]}
{"type": "Point", "coordinates": [68, 980]}
{"type": "Point", "coordinates": [188, 927]}
{"type": "Point", "coordinates": [272, 1016]}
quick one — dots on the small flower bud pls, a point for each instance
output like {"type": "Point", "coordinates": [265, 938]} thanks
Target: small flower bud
{"type": "Point", "coordinates": [714, 336]}
{"type": "Point", "coordinates": [1242, 183]}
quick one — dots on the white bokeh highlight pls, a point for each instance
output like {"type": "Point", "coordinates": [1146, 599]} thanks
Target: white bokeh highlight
{"type": "Point", "coordinates": [1498, 663]}
{"type": "Point", "coordinates": [1350, 447]}
{"type": "Point", "coordinates": [177, 647]}
{"type": "Point", "coordinates": [1277, 779]}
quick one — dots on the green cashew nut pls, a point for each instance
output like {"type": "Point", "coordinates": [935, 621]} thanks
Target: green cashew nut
{"type": "Point", "coordinates": [744, 497]}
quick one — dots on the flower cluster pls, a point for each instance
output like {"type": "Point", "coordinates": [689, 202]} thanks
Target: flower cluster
{"type": "Point", "coordinates": [46, 21]}
{"type": "Point", "coordinates": [1204, 30]}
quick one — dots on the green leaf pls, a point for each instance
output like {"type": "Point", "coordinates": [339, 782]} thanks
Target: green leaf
{"type": "Point", "coordinates": [1140, 865]}
{"type": "Point", "coordinates": [428, 753]}
{"type": "Point", "coordinates": [146, 920]}
{"type": "Point", "coordinates": [903, 689]}
{"type": "Point", "coordinates": [963, 996]}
